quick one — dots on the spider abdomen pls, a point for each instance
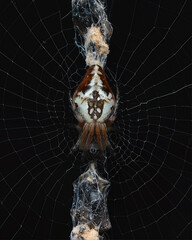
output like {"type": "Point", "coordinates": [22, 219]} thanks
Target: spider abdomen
{"type": "Point", "coordinates": [94, 100]}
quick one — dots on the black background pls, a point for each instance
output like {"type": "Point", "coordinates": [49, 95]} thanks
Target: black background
{"type": "Point", "coordinates": [150, 169]}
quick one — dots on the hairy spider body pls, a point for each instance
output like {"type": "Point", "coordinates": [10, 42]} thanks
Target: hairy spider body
{"type": "Point", "coordinates": [94, 106]}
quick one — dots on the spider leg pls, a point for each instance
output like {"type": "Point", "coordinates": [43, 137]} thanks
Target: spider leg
{"type": "Point", "coordinates": [104, 136]}
{"type": "Point", "coordinates": [98, 135]}
{"type": "Point", "coordinates": [83, 136]}
{"type": "Point", "coordinates": [90, 135]}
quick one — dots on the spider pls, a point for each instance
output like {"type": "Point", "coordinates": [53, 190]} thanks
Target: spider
{"type": "Point", "coordinates": [94, 106]}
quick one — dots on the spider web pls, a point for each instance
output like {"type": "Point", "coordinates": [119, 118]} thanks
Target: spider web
{"type": "Point", "coordinates": [150, 167]}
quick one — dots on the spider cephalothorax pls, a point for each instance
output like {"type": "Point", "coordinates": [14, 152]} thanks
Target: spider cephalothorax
{"type": "Point", "coordinates": [95, 107]}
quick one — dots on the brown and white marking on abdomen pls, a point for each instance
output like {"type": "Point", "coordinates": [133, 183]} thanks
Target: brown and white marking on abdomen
{"type": "Point", "coordinates": [94, 98]}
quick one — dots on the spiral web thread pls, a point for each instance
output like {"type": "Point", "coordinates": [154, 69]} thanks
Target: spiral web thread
{"type": "Point", "coordinates": [150, 171]}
